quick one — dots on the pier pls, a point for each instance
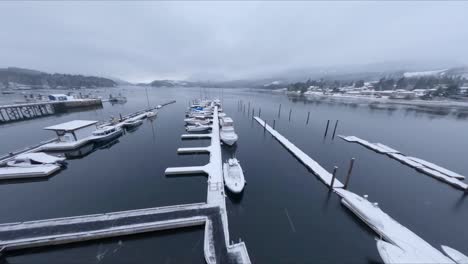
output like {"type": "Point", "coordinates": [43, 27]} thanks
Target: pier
{"type": "Point", "coordinates": [215, 188]}
{"type": "Point", "coordinates": [397, 244]}
{"type": "Point", "coordinates": [311, 164]}
{"type": "Point", "coordinates": [425, 167]}
{"type": "Point", "coordinates": [59, 231]}
{"type": "Point", "coordinates": [18, 112]}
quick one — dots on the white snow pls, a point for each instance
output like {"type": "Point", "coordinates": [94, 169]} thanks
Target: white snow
{"type": "Point", "coordinates": [426, 167]}
{"type": "Point", "coordinates": [39, 157]}
{"type": "Point", "coordinates": [71, 125]}
{"type": "Point", "coordinates": [318, 170]}
{"type": "Point", "coordinates": [413, 248]}
{"type": "Point", "coordinates": [457, 256]}
{"type": "Point", "coordinates": [423, 73]}
{"type": "Point", "coordinates": [27, 172]}
{"type": "Point", "coordinates": [438, 168]}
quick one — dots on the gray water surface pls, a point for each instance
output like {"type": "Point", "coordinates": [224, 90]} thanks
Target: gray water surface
{"type": "Point", "coordinates": [285, 215]}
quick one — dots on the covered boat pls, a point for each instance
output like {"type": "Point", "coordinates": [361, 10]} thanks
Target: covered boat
{"type": "Point", "coordinates": [194, 121]}
{"type": "Point", "coordinates": [34, 159]}
{"type": "Point", "coordinates": [233, 176]}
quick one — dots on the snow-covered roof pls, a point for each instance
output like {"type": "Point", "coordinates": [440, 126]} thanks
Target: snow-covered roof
{"type": "Point", "coordinates": [39, 157]}
{"type": "Point", "coordinates": [72, 125]}
{"type": "Point", "coordinates": [58, 95]}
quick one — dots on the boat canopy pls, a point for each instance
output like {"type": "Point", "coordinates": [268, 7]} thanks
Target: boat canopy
{"type": "Point", "coordinates": [72, 125]}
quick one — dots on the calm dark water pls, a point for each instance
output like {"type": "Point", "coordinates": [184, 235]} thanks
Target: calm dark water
{"type": "Point", "coordinates": [285, 215]}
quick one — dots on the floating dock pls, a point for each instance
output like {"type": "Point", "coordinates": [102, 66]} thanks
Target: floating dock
{"type": "Point", "coordinates": [318, 170]}
{"type": "Point", "coordinates": [59, 231]}
{"type": "Point", "coordinates": [8, 173]}
{"type": "Point", "coordinates": [420, 165]}
{"type": "Point", "coordinates": [215, 188]}
{"type": "Point", "coordinates": [399, 244]}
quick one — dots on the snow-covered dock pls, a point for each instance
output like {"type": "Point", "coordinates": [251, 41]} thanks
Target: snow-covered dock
{"type": "Point", "coordinates": [7, 173]}
{"type": "Point", "coordinates": [403, 245]}
{"type": "Point", "coordinates": [399, 244]}
{"type": "Point", "coordinates": [420, 165]}
{"type": "Point", "coordinates": [318, 170]}
{"type": "Point", "coordinates": [90, 227]}
{"type": "Point", "coordinates": [215, 188]}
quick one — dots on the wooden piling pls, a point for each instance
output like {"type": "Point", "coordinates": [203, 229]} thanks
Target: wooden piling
{"type": "Point", "coordinates": [348, 176]}
{"type": "Point", "coordinates": [308, 115]}
{"type": "Point", "coordinates": [290, 110]}
{"type": "Point", "coordinates": [259, 112]}
{"type": "Point", "coordinates": [333, 177]}
{"type": "Point", "coordinates": [279, 111]}
{"type": "Point", "coordinates": [274, 122]}
{"type": "Point", "coordinates": [334, 130]}
{"type": "Point", "coordinates": [326, 129]}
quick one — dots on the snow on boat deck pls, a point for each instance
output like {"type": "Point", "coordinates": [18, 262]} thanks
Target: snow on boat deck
{"type": "Point", "coordinates": [420, 165]}
{"type": "Point", "coordinates": [413, 247]}
{"type": "Point", "coordinates": [7, 173]}
{"type": "Point", "coordinates": [318, 170]}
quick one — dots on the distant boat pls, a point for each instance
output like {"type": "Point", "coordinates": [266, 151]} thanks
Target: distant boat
{"type": "Point", "coordinates": [130, 123]}
{"type": "Point", "coordinates": [151, 114]}
{"type": "Point", "coordinates": [233, 176]}
{"type": "Point", "coordinates": [106, 133]}
{"type": "Point", "coordinates": [8, 92]}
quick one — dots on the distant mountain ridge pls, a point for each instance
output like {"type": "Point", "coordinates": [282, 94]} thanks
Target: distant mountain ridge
{"type": "Point", "coordinates": [11, 77]}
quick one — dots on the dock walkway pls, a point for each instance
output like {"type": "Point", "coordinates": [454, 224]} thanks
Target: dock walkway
{"type": "Point", "coordinates": [397, 244]}
{"type": "Point", "coordinates": [90, 227]}
{"type": "Point", "coordinates": [420, 165]}
{"type": "Point", "coordinates": [215, 188]}
{"type": "Point", "coordinates": [318, 170]}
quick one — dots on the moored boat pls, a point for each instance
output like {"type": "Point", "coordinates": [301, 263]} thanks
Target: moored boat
{"type": "Point", "coordinates": [233, 176]}
{"type": "Point", "coordinates": [197, 128]}
{"type": "Point", "coordinates": [106, 133]}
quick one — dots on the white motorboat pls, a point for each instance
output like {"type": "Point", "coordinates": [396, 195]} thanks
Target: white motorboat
{"type": "Point", "coordinates": [221, 114]}
{"type": "Point", "coordinates": [158, 106]}
{"type": "Point", "coordinates": [233, 176]}
{"type": "Point", "coordinates": [106, 133]}
{"type": "Point", "coordinates": [151, 114]}
{"type": "Point", "coordinates": [197, 128]}
{"type": "Point", "coordinates": [35, 159]}
{"type": "Point", "coordinates": [130, 123]}
{"type": "Point", "coordinates": [194, 121]}
{"type": "Point", "coordinates": [228, 135]}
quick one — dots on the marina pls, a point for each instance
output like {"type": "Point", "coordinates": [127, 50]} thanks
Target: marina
{"type": "Point", "coordinates": [293, 218]}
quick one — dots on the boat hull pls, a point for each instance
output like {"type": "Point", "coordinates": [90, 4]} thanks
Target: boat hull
{"type": "Point", "coordinates": [108, 137]}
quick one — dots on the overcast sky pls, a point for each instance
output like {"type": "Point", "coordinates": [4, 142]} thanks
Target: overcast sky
{"type": "Point", "coordinates": [225, 40]}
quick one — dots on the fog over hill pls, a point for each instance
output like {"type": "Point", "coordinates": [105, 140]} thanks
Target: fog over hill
{"type": "Point", "coordinates": [227, 41]}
